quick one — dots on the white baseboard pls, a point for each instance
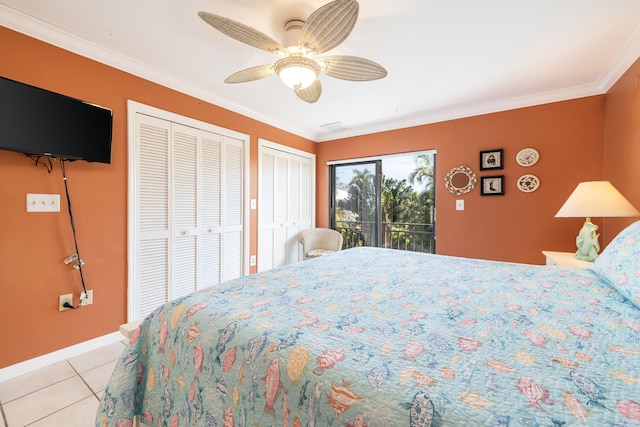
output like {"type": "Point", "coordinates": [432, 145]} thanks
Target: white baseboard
{"type": "Point", "coordinates": [31, 365]}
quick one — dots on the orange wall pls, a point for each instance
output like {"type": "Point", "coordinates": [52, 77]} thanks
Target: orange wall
{"type": "Point", "coordinates": [622, 143]}
{"type": "Point", "coordinates": [33, 246]}
{"type": "Point", "coordinates": [514, 227]}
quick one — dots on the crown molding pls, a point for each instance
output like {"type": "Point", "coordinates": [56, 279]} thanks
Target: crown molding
{"type": "Point", "coordinates": [430, 116]}
{"type": "Point", "coordinates": [621, 63]}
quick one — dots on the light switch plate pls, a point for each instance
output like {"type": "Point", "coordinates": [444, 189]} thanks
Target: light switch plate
{"type": "Point", "coordinates": [43, 202]}
{"type": "Point", "coordinates": [459, 205]}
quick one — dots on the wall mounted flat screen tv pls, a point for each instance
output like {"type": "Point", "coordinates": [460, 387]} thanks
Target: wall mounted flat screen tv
{"type": "Point", "coordinates": [38, 122]}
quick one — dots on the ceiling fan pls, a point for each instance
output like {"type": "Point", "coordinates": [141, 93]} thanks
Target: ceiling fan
{"type": "Point", "coordinates": [299, 65]}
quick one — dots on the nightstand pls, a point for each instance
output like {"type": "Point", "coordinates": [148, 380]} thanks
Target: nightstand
{"type": "Point", "coordinates": [565, 259]}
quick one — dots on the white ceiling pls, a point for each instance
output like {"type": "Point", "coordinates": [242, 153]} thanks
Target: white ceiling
{"type": "Point", "coordinates": [446, 59]}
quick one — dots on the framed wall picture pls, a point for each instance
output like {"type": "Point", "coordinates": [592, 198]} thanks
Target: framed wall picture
{"type": "Point", "coordinates": [491, 159]}
{"type": "Point", "coordinates": [492, 185]}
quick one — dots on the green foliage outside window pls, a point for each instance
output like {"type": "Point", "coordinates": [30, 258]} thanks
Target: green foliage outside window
{"type": "Point", "coordinates": [407, 213]}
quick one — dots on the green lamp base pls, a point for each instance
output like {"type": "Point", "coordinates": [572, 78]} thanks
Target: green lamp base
{"type": "Point", "coordinates": [587, 242]}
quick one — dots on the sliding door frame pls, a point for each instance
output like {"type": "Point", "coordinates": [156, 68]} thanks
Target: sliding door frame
{"type": "Point", "coordinates": [377, 163]}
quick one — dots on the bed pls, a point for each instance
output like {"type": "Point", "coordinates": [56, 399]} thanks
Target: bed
{"type": "Point", "coordinates": [380, 337]}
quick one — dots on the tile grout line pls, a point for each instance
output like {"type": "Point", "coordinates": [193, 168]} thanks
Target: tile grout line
{"type": "Point", "coordinates": [76, 374]}
{"type": "Point", "coordinates": [2, 414]}
{"type": "Point", "coordinates": [55, 412]}
{"type": "Point", "coordinates": [37, 390]}
{"type": "Point", "coordinates": [61, 409]}
{"type": "Point", "coordinates": [79, 375]}
{"type": "Point", "coordinates": [84, 382]}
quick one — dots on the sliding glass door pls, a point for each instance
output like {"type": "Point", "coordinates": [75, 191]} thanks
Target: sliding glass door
{"type": "Point", "coordinates": [387, 202]}
{"type": "Point", "coordinates": [355, 202]}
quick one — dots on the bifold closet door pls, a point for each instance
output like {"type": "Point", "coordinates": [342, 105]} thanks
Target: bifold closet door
{"type": "Point", "coordinates": [220, 225]}
{"type": "Point", "coordinates": [285, 206]}
{"type": "Point", "coordinates": [152, 246]}
{"type": "Point", "coordinates": [232, 199]}
{"type": "Point", "coordinates": [189, 206]}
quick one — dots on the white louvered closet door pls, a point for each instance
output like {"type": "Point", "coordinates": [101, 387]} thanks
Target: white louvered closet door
{"type": "Point", "coordinates": [292, 245]}
{"type": "Point", "coordinates": [307, 199]}
{"type": "Point", "coordinates": [154, 235]}
{"type": "Point", "coordinates": [184, 208]}
{"type": "Point", "coordinates": [190, 204]}
{"type": "Point", "coordinates": [266, 221]}
{"type": "Point", "coordinates": [210, 249]}
{"type": "Point", "coordinates": [286, 206]}
{"type": "Point", "coordinates": [281, 203]}
{"type": "Point", "coordinates": [232, 197]}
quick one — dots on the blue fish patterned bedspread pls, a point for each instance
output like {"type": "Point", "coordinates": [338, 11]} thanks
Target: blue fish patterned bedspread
{"type": "Point", "coordinates": [379, 337]}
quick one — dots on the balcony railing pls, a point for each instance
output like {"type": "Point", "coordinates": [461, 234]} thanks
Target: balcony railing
{"type": "Point", "coordinates": [394, 235]}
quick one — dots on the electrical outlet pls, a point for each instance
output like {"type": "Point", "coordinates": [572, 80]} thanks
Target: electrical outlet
{"type": "Point", "coordinates": [43, 202]}
{"type": "Point", "coordinates": [88, 300]}
{"type": "Point", "coordinates": [62, 299]}
{"type": "Point", "coordinates": [252, 260]}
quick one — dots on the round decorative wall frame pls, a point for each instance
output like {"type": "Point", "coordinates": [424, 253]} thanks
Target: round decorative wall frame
{"type": "Point", "coordinates": [527, 157]}
{"type": "Point", "coordinates": [460, 180]}
{"type": "Point", "coordinates": [528, 183]}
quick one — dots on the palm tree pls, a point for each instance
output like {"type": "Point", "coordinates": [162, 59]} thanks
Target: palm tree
{"type": "Point", "coordinates": [423, 173]}
{"type": "Point", "coordinates": [362, 179]}
{"type": "Point", "coordinates": [362, 189]}
{"type": "Point", "coordinates": [398, 200]}
{"type": "Point", "coordinates": [398, 206]}
{"type": "Point", "coordinates": [362, 202]}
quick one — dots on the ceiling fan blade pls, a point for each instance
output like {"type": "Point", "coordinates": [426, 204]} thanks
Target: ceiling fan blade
{"type": "Point", "coordinates": [250, 74]}
{"type": "Point", "coordinates": [352, 68]}
{"type": "Point", "coordinates": [312, 93]}
{"type": "Point", "coordinates": [328, 26]}
{"type": "Point", "coordinates": [242, 33]}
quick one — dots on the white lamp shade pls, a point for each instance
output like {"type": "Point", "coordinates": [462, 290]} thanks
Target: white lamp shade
{"type": "Point", "coordinates": [596, 199]}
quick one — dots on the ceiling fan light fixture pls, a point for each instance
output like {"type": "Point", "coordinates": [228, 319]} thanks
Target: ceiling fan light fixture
{"type": "Point", "coordinates": [297, 72]}
{"type": "Point", "coordinates": [299, 66]}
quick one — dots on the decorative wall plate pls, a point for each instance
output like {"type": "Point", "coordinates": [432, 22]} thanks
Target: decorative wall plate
{"type": "Point", "coordinates": [528, 183]}
{"type": "Point", "coordinates": [527, 157]}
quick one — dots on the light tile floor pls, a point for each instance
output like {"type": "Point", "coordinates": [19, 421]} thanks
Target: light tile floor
{"type": "Point", "coordinates": [63, 394]}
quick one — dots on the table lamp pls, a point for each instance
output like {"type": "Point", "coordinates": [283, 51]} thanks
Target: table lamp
{"type": "Point", "coordinates": [594, 199]}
